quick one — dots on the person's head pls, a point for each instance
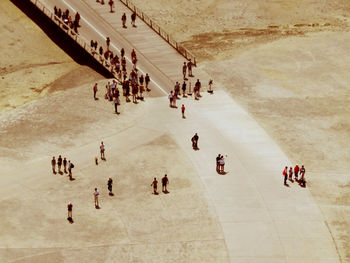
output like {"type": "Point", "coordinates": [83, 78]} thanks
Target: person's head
{"type": "Point", "coordinates": [102, 143]}
{"type": "Point", "coordinates": [183, 105]}
{"type": "Point", "coordinates": [195, 134]}
{"type": "Point", "coordinates": [95, 189]}
{"type": "Point", "coordinates": [286, 167]}
{"type": "Point", "coordinates": [296, 165]}
{"type": "Point", "coordinates": [185, 63]}
{"type": "Point", "coordinates": [302, 166]}
{"type": "Point", "coordinates": [59, 156]}
{"type": "Point", "coordinates": [198, 80]}
{"type": "Point", "coordinates": [53, 157]}
{"type": "Point", "coordinates": [165, 175]}
{"type": "Point", "coordinates": [155, 179]}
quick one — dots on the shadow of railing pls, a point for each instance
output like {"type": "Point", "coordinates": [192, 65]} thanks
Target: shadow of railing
{"type": "Point", "coordinates": [65, 37]}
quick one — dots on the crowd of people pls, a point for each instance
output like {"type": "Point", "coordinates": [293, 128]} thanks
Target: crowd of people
{"type": "Point", "coordinates": [299, 175]}
{"type": "Point", "coordinates": [67, 165]}
{"type": "Point", "coordinates": [67, 18]}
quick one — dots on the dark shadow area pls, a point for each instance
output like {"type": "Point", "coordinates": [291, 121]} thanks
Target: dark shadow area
{"type": "Point", "coordinates": [60, 38]}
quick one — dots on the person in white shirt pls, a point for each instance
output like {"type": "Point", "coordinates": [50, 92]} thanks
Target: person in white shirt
{"type": "Point", "coordinates": [96, 194]}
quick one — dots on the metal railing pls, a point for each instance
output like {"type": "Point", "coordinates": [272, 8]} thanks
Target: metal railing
{"type": "Point", "coordinates": [74, 35]}
{"type": "Point", "coordinates": [180, 48]}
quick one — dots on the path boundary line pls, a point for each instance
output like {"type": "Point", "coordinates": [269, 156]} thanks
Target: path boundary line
{"type": "Point", "coordinates": [161, 32]}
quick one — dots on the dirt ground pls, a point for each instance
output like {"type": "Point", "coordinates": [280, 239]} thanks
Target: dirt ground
{"type": "Point", "coordinates": [33, 65]}
{"type": "Point", "coordinates": [287, 63]}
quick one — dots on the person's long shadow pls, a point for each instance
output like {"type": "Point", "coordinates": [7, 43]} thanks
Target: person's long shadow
{"type": "Point", "coordinates": [61, 39]}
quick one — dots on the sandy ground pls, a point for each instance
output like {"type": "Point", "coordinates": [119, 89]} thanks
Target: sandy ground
{"type": "Point", "coordinates": [33, 65]}
{"type": "Point", "coordinates": [287, 63]}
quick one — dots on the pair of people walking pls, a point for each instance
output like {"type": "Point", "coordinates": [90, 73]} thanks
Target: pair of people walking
{"type": "Point", "coordinates": [220, 164]}
{"type": "Point", "coordinates": [165, 182]}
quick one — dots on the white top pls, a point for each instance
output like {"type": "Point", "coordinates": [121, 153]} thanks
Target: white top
{"type": "Point", "coordinates": [96, 193]}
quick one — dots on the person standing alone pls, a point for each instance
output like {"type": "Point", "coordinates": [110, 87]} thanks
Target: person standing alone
{"type": "Point", "coordinates": [95, 91]}
{"type": "Point", "coordinates": [183, 111]}
{"type": "Point", "coordinates": [102, 151]}
{"type": "Point", "coordinates": [96, 194]}
{"type": "Point", "coordinates": [70, 210]}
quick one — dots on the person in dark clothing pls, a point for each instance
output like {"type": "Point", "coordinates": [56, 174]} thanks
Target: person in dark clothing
{"type": "Point", "coordinates": [110, 184]}
{"type": "Point", "coordinates": [124, 20]}
{"type": "Point", "coordinates": [147, 80]}
{"type": "Point", "coordinates": [65, 165]}
{"type": "Point", "coordinates": [154, 184]}
{"type": "Point", "coordinates": [133, 19]}
{"type": "Point", "coordinates": [70, 210]}
{"type": "Point", "coordinates": [165, 182]}
{"type": "Point", "coordinates": [194, 140]}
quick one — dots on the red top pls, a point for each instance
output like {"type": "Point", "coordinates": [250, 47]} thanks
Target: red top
{"type": "Point", "coordinates": [296, 169]}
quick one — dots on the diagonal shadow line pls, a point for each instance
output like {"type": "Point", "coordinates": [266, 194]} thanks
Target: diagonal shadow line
{"type": "Point", "coordinates": [59, 37]}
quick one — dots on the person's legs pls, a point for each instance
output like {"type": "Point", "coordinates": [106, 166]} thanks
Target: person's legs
{"type": "Point", "coordinates": [53, 169]}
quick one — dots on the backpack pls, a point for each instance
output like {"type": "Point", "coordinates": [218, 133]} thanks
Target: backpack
{"type": "Point", "coordinates": [71, 165]}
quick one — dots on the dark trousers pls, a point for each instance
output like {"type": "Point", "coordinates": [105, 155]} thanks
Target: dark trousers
{"type": "Point", "coordinates": [285, 179]}
{"type": "Point", "coordinates": [95, 94]}
{"type": "Point", "coordinates": [116, 107]}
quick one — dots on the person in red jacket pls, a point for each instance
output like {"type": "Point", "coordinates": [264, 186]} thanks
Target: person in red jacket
{"type": "Point", "coordinates": [296, 172]}
{"type": "Point", "coordinates": [285, 174]}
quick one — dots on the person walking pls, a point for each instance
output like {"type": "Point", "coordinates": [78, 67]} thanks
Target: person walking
{"type": "Point", "coordinates": [102, 151]}
{"type": "Point", "coordinates": [171, 98]}
{"type": "Point", "coordinates": [147, 81]}
{"type": "Point", "coordinates": [133, 19]}
{"type": "Point", "coordinates": [189, 68]}
{"type": "Point", "coordinates": [53, 164]}
{"type": "Point", "coordinates": [59, 164]}
{"type": "Point", "coordinates": [184, 68]}
{"type": "Point", "coordinates": [154, 184]}
{"type": "Point", "coordinates": [290, 174]}
{"type": "Point", "coordinates": [184, 89]}
{"type": "Point", "coordinates": [194, 140]}
{"type": "Point", "coordinates": [285, 174]}
{"type": "Point", "coordinates": [70, 211]}
{"type": "Point", "coordinates": [124, 20]}
{"type": "Point", "coordinates": [217, 162]}
{"type": "Point", "coordinates": [165, 182]}
{"type": "Point", "coordinates": [302, 181]}
{"type": "Point", "coordinates": [95, 91]}
{"type": "Point", "coordinates": [296, 172]}
{"type": "Point", "coordinates": [108, 41]}
{"type": "Point", "coordinates": [109, 186]}
{"type": "Point", "coordinates": [65, 165]}
{"type": "Point", "coordinates": [111, 5]}
{"type": "Point", "coordinates": [183, 111]}
{"type": "Point", "coordinates": [116, 101]}
{"type": "Point", "coordinates": [222, 165]}
{"type": "Point", "coordinates": [96, 194]}
{"type": "Point", "coordinates": [70, 167]}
